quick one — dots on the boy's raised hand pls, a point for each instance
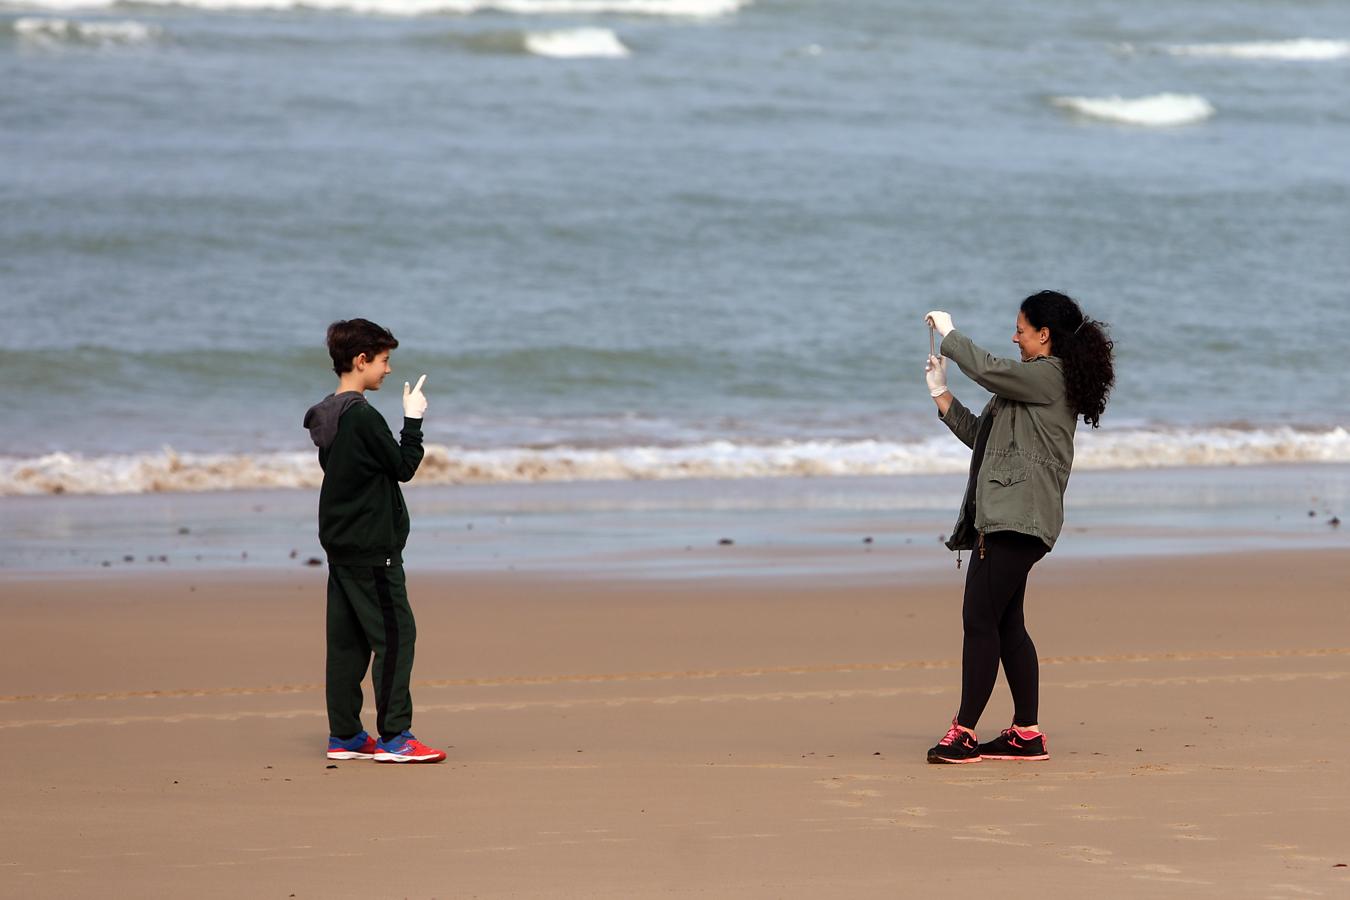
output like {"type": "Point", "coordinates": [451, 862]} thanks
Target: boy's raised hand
{"type": "Point", "coordinates": [414, 402]}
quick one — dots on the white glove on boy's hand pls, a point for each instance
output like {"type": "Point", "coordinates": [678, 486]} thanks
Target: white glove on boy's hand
{"type": "Point", "coordinates": [940, 320]}
{"type": "Point", "coordinates": [936, 374]}
{"type": "Point", "coordinates": [414, 402]}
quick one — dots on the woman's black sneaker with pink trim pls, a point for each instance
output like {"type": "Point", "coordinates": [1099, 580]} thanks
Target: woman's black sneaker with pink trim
{"type": "Point", "coordinates": [959, 746]}
{"type": "Point", "coordinates": [1015, 743]}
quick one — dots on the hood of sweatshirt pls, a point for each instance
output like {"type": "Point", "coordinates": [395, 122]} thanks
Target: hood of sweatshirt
{"type": "Point", "coordinates": [323, 417]}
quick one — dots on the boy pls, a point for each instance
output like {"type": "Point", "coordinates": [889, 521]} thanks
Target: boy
{"type": "Point", "coordinates": [363, 526]}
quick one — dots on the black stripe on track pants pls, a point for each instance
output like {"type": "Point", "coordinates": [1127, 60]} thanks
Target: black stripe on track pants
{"type": "Point", "coordinates": [368, 613]}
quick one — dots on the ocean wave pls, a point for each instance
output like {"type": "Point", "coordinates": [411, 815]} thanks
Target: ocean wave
{"type": "Point", "coordinates": [694, 9]}
{"type": "Point", "coordinates": [1156, 110]}
{"type": "Point", "coordinates": [68, 31]}
{"type": "Point", "coordinates": [1296, 50]}
{"type": "Point", "coordinates": [168, 471]}
{"type": "Point", "coordinates": [576, 43]}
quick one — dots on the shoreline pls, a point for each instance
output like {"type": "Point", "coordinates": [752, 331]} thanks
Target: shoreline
{"type": "Point", "coordinates": [802, 526]}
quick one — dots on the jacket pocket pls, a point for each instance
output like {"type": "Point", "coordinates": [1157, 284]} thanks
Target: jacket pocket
{"type": "Point", "coordinates": [1008, 477]}
{"type": "Point", "coordinates": [1008, 499]}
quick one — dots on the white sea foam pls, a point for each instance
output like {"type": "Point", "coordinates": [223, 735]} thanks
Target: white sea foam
{"type": "Point", "coordinates": [1157, 110]}
{"type": "Point", "coordinates": [1298, 50]}
{"type": "Point", "coordinates": [168, 471]}
{"type": "Point", "coordinates": [697, 9]}
{"type": "Point", "coordinates": [576, 43]}
{"type": "Point", "coordinates": [57, 31]}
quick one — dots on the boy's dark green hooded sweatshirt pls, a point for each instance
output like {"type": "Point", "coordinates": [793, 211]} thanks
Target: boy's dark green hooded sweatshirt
{"type": "Point", "coordinates": [363, 520]}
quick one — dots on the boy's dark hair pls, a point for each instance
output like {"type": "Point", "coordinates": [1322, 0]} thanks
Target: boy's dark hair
{"type": "Point", "coordinates": [349, 338]}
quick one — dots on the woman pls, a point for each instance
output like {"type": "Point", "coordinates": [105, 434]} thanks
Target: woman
{"type": "Point", "coordinates": [1014, 504]}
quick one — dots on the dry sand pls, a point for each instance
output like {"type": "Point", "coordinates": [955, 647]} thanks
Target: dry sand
{"type": "Point", "coordinates": [716, 738]}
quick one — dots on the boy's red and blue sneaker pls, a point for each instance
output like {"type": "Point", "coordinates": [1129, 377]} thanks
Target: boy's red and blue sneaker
{"type": "Point", "coordinates": [1015, 743]}
{"type": "Point", "coordinates": [959, 746]}
{"type": "Point", "coordinates": [360, 747]}
{"type": "Point", "coordinates": [406, 749]}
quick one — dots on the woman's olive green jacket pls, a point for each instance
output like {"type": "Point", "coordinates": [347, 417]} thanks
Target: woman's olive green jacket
{"type": "Point", "coordinates": [1019, 485]}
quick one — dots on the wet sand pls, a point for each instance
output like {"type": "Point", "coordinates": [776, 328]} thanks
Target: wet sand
{"type": "Point", "coordinates": [713, 737]}
{"type": "Point", "coordinates": [671, 529]}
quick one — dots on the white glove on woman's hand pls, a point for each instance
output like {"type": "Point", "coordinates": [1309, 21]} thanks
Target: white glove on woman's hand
{"type": "Point", "coordinates": [414, 402]}
{"type": "Point", "coordinates": [936, 373]}
{"type": "Point", "coordinates": [940, 320]}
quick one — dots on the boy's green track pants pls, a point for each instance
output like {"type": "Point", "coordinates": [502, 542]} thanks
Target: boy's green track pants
{"type": "Point", "coordinates": [368, 612]}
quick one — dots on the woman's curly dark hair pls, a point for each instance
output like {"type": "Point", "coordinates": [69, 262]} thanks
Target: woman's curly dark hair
{"type": "Point", "coordinates": [1084, 347]}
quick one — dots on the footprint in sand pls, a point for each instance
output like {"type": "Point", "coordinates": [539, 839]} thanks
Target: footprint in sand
{"type": "Point", "coordinates": [502, 849]}
{"type": "Point", "coordinates": [913, 825]}
{"type": "Point", "coordinates": [983, 839]}
{"type": "Point", "coordinates": [846, 802]}
{"type": "Point", "coordinates": [989, 829]}
{"type": "Point", "coordinates": [989, 834]}
{"type": "Point", "coordinates": [1171, 879]}
{"type": "Point", "coordinates": [1296, 890]}
{"type": "Point", "coordinates": [1185, 832]}
{"type": "Point", "coordinates": [1094, 855]}
{"type": "Point", "coordinates": [856, 796]}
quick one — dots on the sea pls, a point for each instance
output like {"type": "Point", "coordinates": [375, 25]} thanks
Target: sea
{"type": "Point", "coordinates": [659, 240]}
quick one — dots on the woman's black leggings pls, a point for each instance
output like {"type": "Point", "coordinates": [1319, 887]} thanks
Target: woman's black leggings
{"type": "Point", "coordinates": [996, 585]}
